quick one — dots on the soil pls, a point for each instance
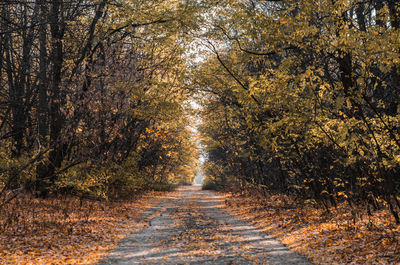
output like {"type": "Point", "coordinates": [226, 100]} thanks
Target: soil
{"type": "Point", "coordinates": [193, 227]}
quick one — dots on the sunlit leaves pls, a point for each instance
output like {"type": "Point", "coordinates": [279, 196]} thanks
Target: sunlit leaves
{"type": "Point", "coordinates": [318, 110]}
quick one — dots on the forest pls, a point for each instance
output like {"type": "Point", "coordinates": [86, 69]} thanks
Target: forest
{"type": "Point", "coordinates": [106, 102]}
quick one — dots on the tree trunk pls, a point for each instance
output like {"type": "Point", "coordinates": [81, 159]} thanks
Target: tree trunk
{"type": "Point", "coordinates": [56, 118]}
{"type": "Point", "coordinates": [360, 12]}
{"type": "Point", "coordinates": [42, 108]}
{"type": "Point", "coordinates": [16, 87]}
{"type": "Point", "coordinates": [394, 10]}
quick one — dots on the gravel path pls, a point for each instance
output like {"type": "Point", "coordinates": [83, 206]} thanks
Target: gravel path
{"type": "Point", "coordinates": [193, 228]}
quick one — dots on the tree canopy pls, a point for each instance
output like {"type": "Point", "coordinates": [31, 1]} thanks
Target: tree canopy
{"type": "Point", "coordinates": [92, 98]}
{"type": "Point", "coordinates": [301, 97]}
{"type": "Point", "coordinates": [296, 97]}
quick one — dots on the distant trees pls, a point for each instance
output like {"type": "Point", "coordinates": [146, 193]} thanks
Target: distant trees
{"type": "Point", "coordinates": [305, 99]}
{"type": "Point", "coordinates": [82, 85]}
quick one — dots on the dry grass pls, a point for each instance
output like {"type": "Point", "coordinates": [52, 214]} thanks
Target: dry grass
{"type": "Point", "coordinates": [342, 237]}
{"type": "Point", "coordinates": [67, 231]}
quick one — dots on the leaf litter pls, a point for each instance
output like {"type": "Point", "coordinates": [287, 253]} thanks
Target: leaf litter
{"type": "Point", "coordinates": [68, 230]}
{"type": "Point", "coordinates": [336, 238]}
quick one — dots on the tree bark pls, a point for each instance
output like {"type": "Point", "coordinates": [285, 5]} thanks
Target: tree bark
{"type": "Point", "coordinates": [42, 109]}
{"type": "Point", "coordinates": [56, 118]}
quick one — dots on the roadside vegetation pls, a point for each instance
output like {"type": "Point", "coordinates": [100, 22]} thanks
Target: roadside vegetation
{"type": "Point", "coordinates": [295, 100]}
{"type": "Point", "coordinates": [301, 105]}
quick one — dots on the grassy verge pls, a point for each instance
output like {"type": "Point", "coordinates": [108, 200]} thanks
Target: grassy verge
{"type": "Point", "coordinates": [341, 237]}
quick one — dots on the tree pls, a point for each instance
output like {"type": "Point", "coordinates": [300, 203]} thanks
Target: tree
{"type": "Point", "coordinates": [85, 80]}
{"type": "Point", "coordinates": [312, 88]}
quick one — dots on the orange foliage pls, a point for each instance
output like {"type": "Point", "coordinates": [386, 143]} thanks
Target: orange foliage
{"type": "Point", "coordinates": [67, 231]}
{"type": "Point", "coordinates": [341, 237]}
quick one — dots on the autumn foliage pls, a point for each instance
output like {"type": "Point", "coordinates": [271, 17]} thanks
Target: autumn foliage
{"type": "Point", "coordinates": [91, 101]}
{"type": "Point", "coordinates": [103, 100]}
{"type": "Point", "coordinates": [302, 98]}
{"type": "Point", "coordinates": [93, 112]}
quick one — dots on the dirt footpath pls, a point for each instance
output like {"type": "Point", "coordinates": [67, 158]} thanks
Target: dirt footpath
{"type": "Point", "coordinates": [193, 228]}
